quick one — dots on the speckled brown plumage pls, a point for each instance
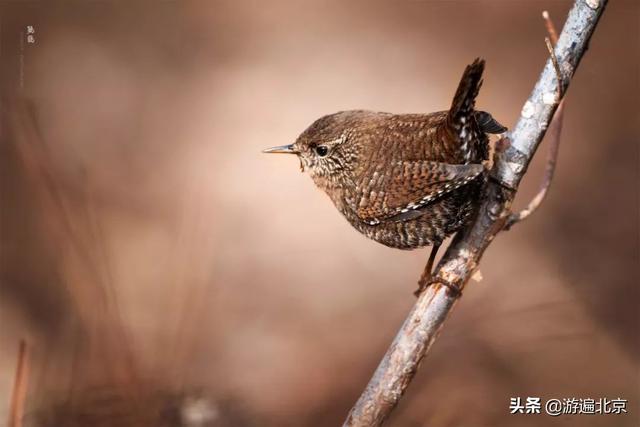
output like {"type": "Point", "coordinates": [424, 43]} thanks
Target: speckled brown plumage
{"type": "Point", "coordinates": [404, 180]}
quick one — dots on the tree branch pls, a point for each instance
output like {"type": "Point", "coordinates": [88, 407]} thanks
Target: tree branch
{"type": "Point", "coordinates": [420, 329]}
{"type": "Point", "coordinates": [552, 136]}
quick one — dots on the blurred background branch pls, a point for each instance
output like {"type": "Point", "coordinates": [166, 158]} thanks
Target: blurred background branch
{"type": "Point", "coordinates": [512, 157]}
{"type": "Point", "coordinates": [19, 391]}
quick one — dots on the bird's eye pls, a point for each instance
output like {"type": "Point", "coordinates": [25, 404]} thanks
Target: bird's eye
{"type": "Point", "coordinates": [322, 150]}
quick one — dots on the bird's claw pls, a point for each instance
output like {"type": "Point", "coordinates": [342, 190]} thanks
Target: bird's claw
{"type": "Point", "coordinates": [453, 290]}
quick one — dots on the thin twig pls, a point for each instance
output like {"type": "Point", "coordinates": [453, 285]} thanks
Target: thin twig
{"type": "Point", "coordinates": [551, 29]}
{"type": "Point", "coordinates": [553, 134]}
{"type": "Point", "coordinates": [556, 66]}
{"type": "Point", "coordinates": [420, 329]}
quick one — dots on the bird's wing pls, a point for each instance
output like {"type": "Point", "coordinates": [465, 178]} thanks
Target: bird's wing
{"type": "Point", "coordinates": [402, 190]}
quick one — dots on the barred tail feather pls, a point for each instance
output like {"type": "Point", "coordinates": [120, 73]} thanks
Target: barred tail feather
{"type": "Point", "coordinates": [465, 97]}
{"type": "Point", "coordinates": [460, 118]}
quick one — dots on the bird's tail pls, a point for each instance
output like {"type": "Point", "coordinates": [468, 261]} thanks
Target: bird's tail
{"type": "Point", "coordinates": [465, 98]}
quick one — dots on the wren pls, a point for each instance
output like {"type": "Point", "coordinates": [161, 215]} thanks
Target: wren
{"type": "Point", "coordinates": [403, 180]}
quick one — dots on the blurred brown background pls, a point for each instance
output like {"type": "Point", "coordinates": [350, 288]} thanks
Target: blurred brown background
{"type": "Point", "coordinates": [149, 249]}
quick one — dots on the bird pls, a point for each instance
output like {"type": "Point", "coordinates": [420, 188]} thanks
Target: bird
{"type": "Point", "coordinates": [404, 180]}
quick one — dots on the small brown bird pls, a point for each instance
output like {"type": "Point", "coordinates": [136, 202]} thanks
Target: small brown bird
{"type": "Point", "coordinates": [404, 180]}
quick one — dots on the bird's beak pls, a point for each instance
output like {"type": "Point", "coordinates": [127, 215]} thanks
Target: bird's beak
{"type": "Point", "coordinates": [285, 149]}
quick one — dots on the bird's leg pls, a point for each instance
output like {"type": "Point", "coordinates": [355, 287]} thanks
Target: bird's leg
{"type": "Point", "coordinates": [425, 278]}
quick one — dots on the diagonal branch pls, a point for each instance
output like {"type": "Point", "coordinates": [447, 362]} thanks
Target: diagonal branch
{"type": "Point", "coordinates": [420, 329]}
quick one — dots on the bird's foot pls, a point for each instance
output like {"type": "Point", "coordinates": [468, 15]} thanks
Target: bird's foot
{"type": "Point", "coordinates": [453, 290]}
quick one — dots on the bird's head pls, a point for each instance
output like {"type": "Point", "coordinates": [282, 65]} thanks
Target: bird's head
{"type": "Point", "coordinates": [325, 149]}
